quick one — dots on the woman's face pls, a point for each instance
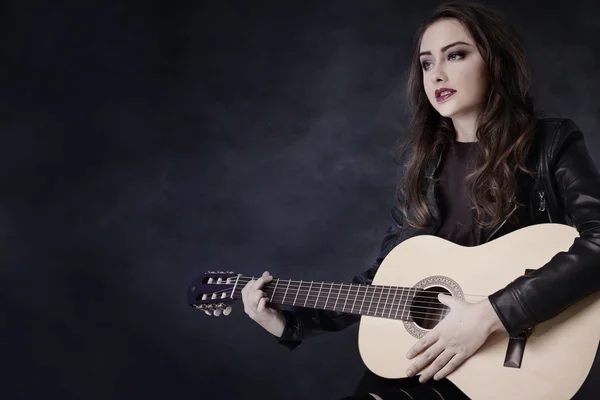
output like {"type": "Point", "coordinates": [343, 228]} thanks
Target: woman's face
{"type": "Point", "coordinates": [458, 67]}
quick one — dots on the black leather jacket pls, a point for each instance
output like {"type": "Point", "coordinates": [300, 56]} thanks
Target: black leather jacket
{"type": "Point", "coordinates": [566, 190]}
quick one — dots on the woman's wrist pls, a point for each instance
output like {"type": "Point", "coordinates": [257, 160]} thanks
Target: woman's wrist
{"type": "Point", "coordinates": [491, 318]}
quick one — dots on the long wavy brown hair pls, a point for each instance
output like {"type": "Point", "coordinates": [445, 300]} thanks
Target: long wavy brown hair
{"type": "Point", "coordinates": [505, 129]}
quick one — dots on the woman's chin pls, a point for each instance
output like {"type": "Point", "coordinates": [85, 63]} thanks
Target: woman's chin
{"type": "Point", "coordinates": [446, 112]}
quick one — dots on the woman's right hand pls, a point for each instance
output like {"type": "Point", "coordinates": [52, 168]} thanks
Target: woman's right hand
{"type": "Point", "coordinates": [255, 305]}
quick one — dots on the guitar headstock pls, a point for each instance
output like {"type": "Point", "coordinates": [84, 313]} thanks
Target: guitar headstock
{"type": "Point", "coordinates": [212, 292]}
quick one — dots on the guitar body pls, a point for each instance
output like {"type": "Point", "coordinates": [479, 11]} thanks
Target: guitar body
{"type": "Point", "coordinates": [558, 354]}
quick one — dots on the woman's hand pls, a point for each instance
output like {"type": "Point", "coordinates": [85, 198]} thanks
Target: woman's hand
{"type": "Point", "coordinates": [255, 301]}
{"type": "Point", "coordinates": [454, 339]}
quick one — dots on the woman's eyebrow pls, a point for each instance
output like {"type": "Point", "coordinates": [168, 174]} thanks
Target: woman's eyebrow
{"type": "Point", "coordinates": [443, 48]}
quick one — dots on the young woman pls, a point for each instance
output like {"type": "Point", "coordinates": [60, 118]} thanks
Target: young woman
{"type": "Point", "coordinates": [470, 173]}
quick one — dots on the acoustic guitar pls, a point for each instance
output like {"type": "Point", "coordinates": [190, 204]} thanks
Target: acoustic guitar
{"type": "Point", "coordinates": [551, 361]}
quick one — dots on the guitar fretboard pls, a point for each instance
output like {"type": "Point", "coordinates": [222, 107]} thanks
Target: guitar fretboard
{"type": "Point", "coordinates": [372, 300]}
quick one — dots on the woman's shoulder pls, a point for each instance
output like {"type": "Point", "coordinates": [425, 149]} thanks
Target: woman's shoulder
{"type": "Point", "coordinates": [553, 133]}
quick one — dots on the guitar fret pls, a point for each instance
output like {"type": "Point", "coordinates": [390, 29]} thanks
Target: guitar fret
{"type": "Point", "coordinates": [346, 301]}
{"type": "Point", "coordinates": [318, 294]}
{"type": "Point", "coordinates": [393, 302]}
{"type": "Point", "coordinates": [274, 290]}
{"type": "Point", "coordinates": [328, 294]}
{"type": "Point", "coordinates": [338, 296]}
{"type": "Point", "coordinates": [371, 302]}
{"type": "Point", "coordinates": [386, 300]}
{"type": "Point", "coordinates": [399, 303]}
{"type": "Point", "coordinates": [355, 297]}
{"type": "Point", "coordinates": [378, 301]}
{"type": "Point", "coordinates": [382, 301]}
{"type": "Point", "coordinates": [381, 298]}
{"type": "Point", "coordinates": [308, 294]}
{"type": "Point", "coordinates": [363, 300]}
{"type": "Point", "coordinates": [286, 290]}
{"type": "Point", "coordinates": [405, 303]}
{"type": "Point", "coordinates": [297, 291]}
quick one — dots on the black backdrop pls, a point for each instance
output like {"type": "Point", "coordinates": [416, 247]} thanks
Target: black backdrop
{"type": "Point", "coordinates": [143, 143]}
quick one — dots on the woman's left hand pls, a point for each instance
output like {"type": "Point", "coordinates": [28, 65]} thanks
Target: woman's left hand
{"type": "Point", "coordinates": [454, 339]}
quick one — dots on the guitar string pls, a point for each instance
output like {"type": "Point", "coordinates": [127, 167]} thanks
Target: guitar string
{"type": "Point", "coordinates": [246, 279]}
{"type": "Point", "coordinates": [364, 297]}
{"type": "Point", "coordinates": [359, 298]}
{"type": "Point", "coordinates": [419, 315]}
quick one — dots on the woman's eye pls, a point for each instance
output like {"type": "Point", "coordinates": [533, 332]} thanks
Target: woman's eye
{"type": "Point", "coordinates": [453, 56]}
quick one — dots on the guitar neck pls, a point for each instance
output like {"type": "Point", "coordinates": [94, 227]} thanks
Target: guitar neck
{"type": "Point", "coordinates": [372, 300]}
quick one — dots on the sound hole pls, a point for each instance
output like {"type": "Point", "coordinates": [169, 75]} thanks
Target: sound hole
{"type": "Point", "coordinates": [425, 310]}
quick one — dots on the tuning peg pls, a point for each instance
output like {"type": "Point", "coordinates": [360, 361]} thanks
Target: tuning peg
{"type": "Point", "coordinates": [217, 312]}
{"type": "Point", "coordinates": [207, 312]}
{"type": "Point", "coordinates": [227, 311]}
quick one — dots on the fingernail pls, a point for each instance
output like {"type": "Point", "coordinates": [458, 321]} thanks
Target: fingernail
{"type": "Point", "coordinates": [409, 373]}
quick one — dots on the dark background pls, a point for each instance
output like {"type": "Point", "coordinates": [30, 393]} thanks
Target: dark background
{"type": "Point", "coordinates": [145, 143]}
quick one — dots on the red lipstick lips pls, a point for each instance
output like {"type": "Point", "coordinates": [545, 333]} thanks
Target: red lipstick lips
{"type": "Point", "coordinates": [442, 94]}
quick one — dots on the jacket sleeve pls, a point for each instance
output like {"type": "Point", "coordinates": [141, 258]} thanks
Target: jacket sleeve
{"type": "Point", "coordinates": [570, 275]}
{"type": "Point", "coordinates": [302, 323]}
